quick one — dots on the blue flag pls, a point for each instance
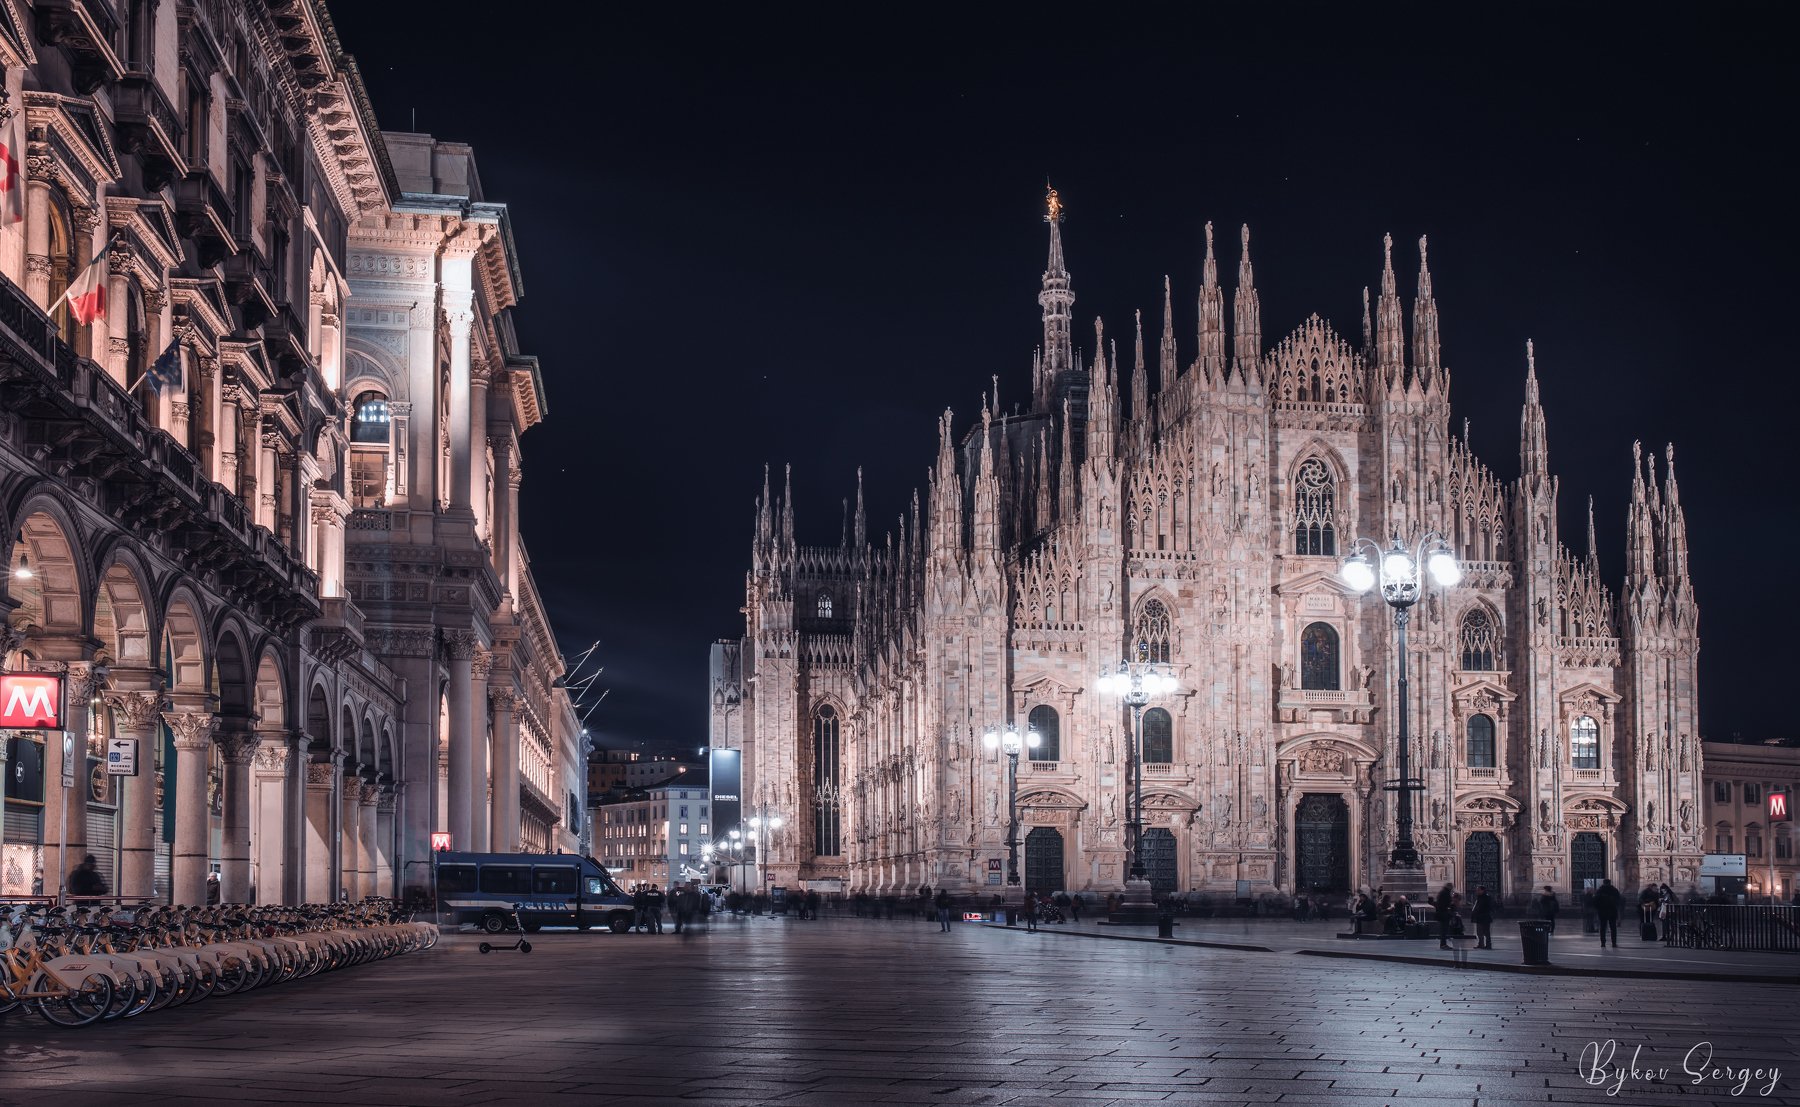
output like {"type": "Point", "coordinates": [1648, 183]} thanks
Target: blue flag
{"type": "Point", "coordinates": [166, 373]}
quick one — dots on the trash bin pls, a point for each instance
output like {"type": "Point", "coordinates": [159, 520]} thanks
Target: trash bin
{"type": "Point", "coordinates": [1534, 941]}
{"type": "Point", "coordinates": [1012, 916]}
{"type": "Point", "coordinates": [1165, 925]}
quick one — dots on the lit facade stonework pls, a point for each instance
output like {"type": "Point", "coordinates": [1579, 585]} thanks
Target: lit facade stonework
{"type": "Point", "coordinates": [181, 552]}
{"type": "Point", "coordinates": [1202, 520]}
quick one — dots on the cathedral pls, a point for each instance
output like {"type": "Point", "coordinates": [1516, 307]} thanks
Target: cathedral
{"type": "Point", "coordinates": [1198, 514]}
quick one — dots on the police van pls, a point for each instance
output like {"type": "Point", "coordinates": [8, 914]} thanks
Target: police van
{"type": "Point", "coordinates": [549, 889]}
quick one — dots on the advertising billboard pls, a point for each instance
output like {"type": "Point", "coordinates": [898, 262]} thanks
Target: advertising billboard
{"type": "Point", "coordinates": [727, 791]}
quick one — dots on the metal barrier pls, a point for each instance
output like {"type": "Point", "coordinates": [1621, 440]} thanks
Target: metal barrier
{"type": "Point", "coordinates": [1758, 926]}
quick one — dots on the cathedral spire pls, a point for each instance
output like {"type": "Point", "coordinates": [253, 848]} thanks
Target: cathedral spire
{"type": "Point", "coordinates": [1065, 475]}
{"type": "Point", "coordinates": [1100, 400]}
{"type": "Point", "coordinates": [1056, 299]}
{"type": "Point", "coordinates": [1390, 331]}
{"type": "Point", "coordinates": [1534, 449]}
{"type": "Point", "coordinates": [946, 498]}
{"type": "Point", "coordinates": [1246, 319]}
{"type": "Point", "coordinates": [1675, 548]}
{"type": "Point", "coordinates": [1640, 529]}
{"type": "Point", "coordinates": [1212, 316]}
{"type": "Point", "coordinates": [986, 520]}
{"type": "Point", "coordinates": [1368, 345]}
{"type": "Point", "coordinates": [859, 537]}
{"type": "Point", "coordinates": [1140, 387]}
{"type": "Point", "coordinates": [1425, 325]}
{"type": "Point", "coordinates": [1593, 543]}
{"type": "Point", "coordinates": [1166, 368]}
{"type": "Point", "coordinates": [787, 509]}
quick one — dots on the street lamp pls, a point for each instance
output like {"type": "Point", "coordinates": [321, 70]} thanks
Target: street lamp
{"type": "Point", "coordinates": [1397, 570]}
{"type": "Point", "coordinates": [762, 823]}
{"type": "Point", "coordinates": [1136, 682]}
{"type": "Point", "coordinates": [1009, 741]}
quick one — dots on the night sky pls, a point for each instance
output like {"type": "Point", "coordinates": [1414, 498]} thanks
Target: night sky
{"type": "Point", "coordinates": [760, 237]}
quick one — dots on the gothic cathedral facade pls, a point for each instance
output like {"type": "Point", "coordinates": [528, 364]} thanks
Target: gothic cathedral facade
{"type": "Point", "coordinates": [1203, 523]}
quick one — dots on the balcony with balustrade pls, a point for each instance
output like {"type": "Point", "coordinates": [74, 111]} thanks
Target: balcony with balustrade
{"type": "Point", "coordinates": [1324, 705]}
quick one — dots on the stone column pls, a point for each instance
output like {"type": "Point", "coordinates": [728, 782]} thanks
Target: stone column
{"type": "Point", "coordinates": [65, 809]}
{"type": "Point", "coordinates": [461, 318]}
{"type": "Point", "coordinates": [318, 846]}
{"type": "Point", "coordinates": [506, 770]}
{"type": "Point", "coordinates": [367, 883]}
{"type": "Point", "coordinates": [350, 831]}
{"type": "Point", "coordinates": [386, 829]}
{"type": "Point", "coordinates": [193, 752]}
{"type": "Point", "coordinates": [328, 513]}
{"type": "Point", "coordinates": [296, 821]}
{"type": "Point", "coordinates": [236, 749]}
{"type": "Point", "coordinates": [136, 715]}
{"type": "Point", "coordinates": [501, 524]}
{"type": "Point", "coordinates": [37, 242]}
{"type": "Point", "coordinates": [481, 766]}
{"type": "Point", "coordinates": [459, 648]}
{"type": "Point", "coordinates": [478, 441]}
{"type": "Point", "coordinates": [269, 816]}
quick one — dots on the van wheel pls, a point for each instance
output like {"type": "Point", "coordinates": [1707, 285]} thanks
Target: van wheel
{"type": "Point", "coordinates": [620, 924]}
{"type": "Point", "coordinates": [533, 928]}
{"type": "Point", "coordinates": [493, 923]}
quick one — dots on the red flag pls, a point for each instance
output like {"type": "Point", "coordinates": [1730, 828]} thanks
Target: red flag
{"type": "Point", "coordinates": [87, 294]}
{"type": "Point", "coordinates": [12, 186]}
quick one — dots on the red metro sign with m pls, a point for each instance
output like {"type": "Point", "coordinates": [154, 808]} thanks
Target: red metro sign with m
{"type": "Point", "coordinates": [1779, 811]}
{"type": "Point", "coordinates": [30, 701]}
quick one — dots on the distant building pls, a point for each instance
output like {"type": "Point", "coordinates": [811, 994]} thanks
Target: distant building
{"type": "Point", "coordinates": [1738, 782]}
{"type": "Point", "coordinates": [654, 834]}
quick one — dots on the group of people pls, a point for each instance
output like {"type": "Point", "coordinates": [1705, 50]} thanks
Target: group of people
{"type": "Point", "coordinates": [687, 903]}
{"type": "Point", "coordinates": [1396, 915]}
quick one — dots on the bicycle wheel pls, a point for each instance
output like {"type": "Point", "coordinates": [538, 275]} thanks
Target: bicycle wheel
{"type": "Point", "coordinates": [84, 1005]}
{"type": "Point", "coordinates": [124, 995]}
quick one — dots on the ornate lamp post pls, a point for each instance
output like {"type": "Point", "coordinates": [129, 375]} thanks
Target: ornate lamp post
{"type": "Point", "coordinates": [1136, 682]}
{"type": "Point", "coordinates": [1010, 742]}
{"type": "Point", "coordinates": [761, 824]}
{"type": "Point", "coordinates": [1398, 571]}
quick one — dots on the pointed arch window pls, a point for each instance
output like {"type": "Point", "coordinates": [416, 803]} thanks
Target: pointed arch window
{"type": "Point", "coordinates": [824, 605]}
{"type": "Point", "coordinates": [1043, 720]}
{"type": "Point", "coordinates": [1151, 642]}
{"type": "Point", "coordinates": [827, 822]}
{"type": "Point", "coordinates": [1315, 510]}
{"type": "Point", "coordinates": [1159, 737]}
{"type": "Point", "coordinates": [1584, 743]}
{"type": "Point", "coordinates": [1480, 642]}
{"type": "Point", "coordinates": [1481, 742]}
{"type": "Point", "coordinates": [1319, 658]}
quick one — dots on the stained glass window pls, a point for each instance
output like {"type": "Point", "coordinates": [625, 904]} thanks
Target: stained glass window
{"type": "Point", "coordinates": [825, 782]}
{"type": "Point", "coordinates": [1584, 743]}
{"type": "Point", "coordinates": [1315, 497]}
{"type": "Point", "coordinates": [1159, 737]}
{"type": "Point", "coordinates": [1152, 639]}
{"type": "Point", "coordinates": [1319, 657]}
{"type": "Point", "coordinates": [1481, 742]}
{"type": "Point", "coordinates": [1043, 720]}
{"type": "Point", "coordinates": [1480, 642]}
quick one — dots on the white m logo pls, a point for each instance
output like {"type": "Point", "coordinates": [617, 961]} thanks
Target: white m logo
{"type": "Point", "coordinates": [30, 702]}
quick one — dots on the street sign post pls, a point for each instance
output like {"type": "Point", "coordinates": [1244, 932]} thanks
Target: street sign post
{"type": "Point", "coordinates": [121, 757]}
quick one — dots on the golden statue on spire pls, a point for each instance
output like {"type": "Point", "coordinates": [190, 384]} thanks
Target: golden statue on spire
{"type": "Point", "coordinates": [1053, 205]}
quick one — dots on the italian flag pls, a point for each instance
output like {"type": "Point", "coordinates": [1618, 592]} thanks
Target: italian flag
{"type": "Point", "coordinates": [86, 296]}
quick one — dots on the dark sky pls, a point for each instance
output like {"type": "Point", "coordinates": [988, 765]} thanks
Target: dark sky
{"type": "Point", "coordinates": [770, 237]}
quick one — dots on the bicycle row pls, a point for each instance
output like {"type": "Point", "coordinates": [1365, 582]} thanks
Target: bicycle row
{"type": "Point", "coordinates": [87, 965]}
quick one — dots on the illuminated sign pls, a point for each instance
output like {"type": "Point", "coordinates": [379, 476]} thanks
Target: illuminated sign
{"type": "Point", "coordinates": [1779, 811]}
{"type": "Point", "coordinates": [440, 841]}
{"type": "Point", "coordinates": [1723, 864]}
{"type": "Point", "coordinates": [31, 701]}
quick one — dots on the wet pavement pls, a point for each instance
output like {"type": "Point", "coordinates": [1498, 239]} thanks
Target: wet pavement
{"type": "Point", "coordinates": [851, 1011]}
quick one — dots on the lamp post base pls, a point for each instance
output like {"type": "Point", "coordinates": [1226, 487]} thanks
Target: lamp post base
{"type": "Point", "coordinates": [1138, 908]}
{"type": "Point", "coordinates": [1406, 880]}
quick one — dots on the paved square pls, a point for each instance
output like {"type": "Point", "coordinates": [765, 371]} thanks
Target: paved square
{"type": "Point", "coordinates": [851, 1011]}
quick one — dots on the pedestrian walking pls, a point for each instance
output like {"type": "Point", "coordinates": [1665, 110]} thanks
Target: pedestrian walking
{"type": "Point", "coordinates": [1440, 910]}
{"type": "Point", "coordinates": [1031, 912]}
{"type": "Point", "coordinates": [1075, 906]}
{"type": "Point", "coordinates": [943, 910]}
{"type": "Point", "coordinates": [1665, 911]}
{"type": "Point", "coordinates": [1606, 911]}
{"type": "Point", "coordinates": [1483, 915]}
{"type": "Point", "coordinates": [1548, 907]}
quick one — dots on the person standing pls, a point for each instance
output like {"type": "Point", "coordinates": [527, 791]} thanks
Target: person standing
{"type": "Point", "coordinates": [1548, 907]}
{"type": "Point", "coordinates": [86, 879]}
{"type": "Point", "coordinates": [654, 905]}
{"type": "Point", "coordinates": [1483, 915]}
{"type": "Point", "coordinates": [1075, 906]}
{"type": "Point", "coordinates": [1440, 910]}
{"type": "Point", "coordinates": [1606, 910]}
{"type": "Point", "coordinates": [943, 910]}
{"type": "Point", "coordinates": [640, 907]}
{"type": "Point", "coordinates": [1031, 911]}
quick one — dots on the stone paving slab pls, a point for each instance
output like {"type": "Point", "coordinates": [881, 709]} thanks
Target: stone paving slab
{"type": "Point", "coordinates": [849, 1012]}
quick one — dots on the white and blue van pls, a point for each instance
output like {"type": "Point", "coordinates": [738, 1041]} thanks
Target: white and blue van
{"type": "Point", "coordinates": [549, 889]}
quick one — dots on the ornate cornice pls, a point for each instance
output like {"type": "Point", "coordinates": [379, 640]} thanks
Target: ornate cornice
{"type": "Point", "coordinates": [134, 710]}
{"type": "Point", "coordinates": [194, 730]}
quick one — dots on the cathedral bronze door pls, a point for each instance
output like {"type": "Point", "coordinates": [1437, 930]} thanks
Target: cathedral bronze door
{"type": "Point", "coordinates": [1322, 840]}
{"type": "Point", "coordinates": [1043, 860]}
{"type": "Point", "coordinates": [1158, 849]}
{"type": "Point", "coordinates": [1481, 863]}
{"type": "Point", "coordinates": [1587, 860]}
